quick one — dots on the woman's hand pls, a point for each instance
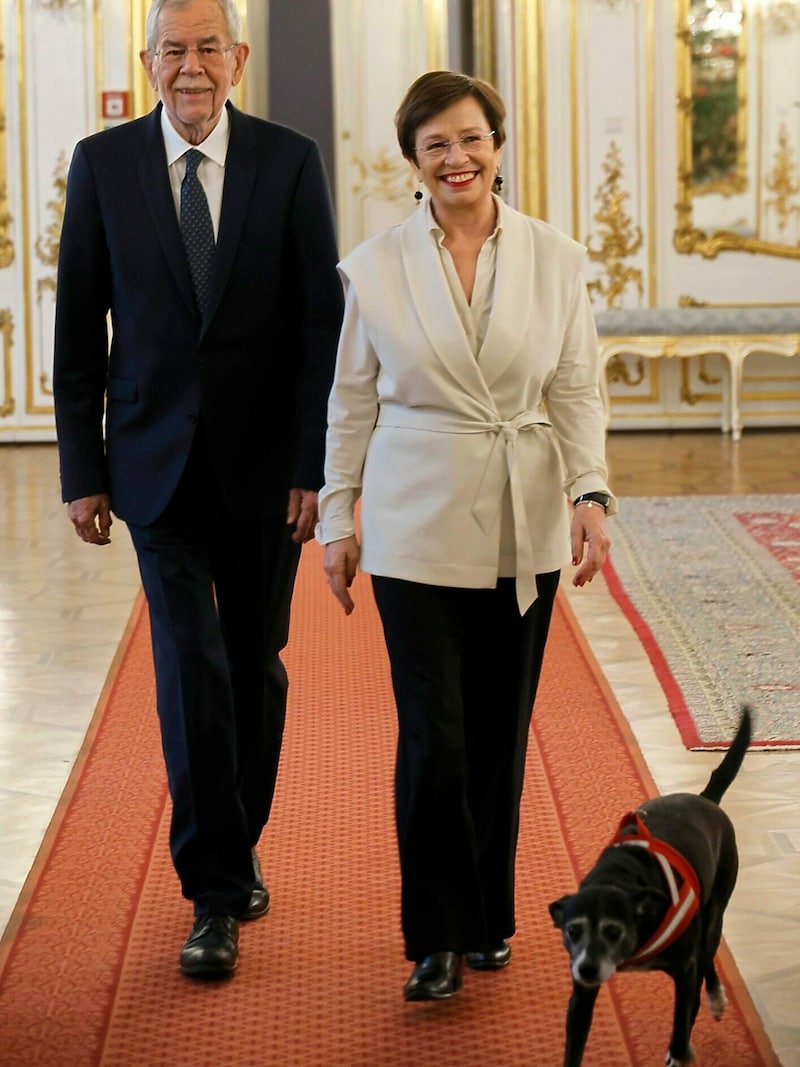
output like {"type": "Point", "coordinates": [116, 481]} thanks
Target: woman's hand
{"type": "Point", "coordinates": [589, 528]}
{"type": "Point", "coordinates": [341, 563]}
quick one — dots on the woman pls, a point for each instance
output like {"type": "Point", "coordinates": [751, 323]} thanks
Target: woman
{"type": "Point", "coordinates": [465, 404]}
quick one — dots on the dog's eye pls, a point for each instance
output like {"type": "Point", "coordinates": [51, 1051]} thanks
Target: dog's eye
{"type": "Point", "coordinates": [574, 931]}
{"type": "Point", "coordinates": [613, 934]}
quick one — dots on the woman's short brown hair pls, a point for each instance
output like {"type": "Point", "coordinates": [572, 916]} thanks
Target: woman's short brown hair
{"type": "Point", "coordinates": [438, 90]}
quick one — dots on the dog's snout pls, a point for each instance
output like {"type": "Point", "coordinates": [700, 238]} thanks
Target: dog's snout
{"type": "Point", "coordinates": [588, 972]}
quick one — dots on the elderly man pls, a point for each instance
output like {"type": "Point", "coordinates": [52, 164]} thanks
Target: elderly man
{"type": "Point", "coordinates": [208, 235]}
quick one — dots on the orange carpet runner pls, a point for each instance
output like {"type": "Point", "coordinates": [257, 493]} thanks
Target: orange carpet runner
{"type": "Point", "coordinates": [88, 965]}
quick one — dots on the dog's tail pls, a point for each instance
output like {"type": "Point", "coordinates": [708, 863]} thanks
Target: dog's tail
{"type": "Point", "coordinates": [722, 777]}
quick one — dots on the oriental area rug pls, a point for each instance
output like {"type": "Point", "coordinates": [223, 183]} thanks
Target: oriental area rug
{"type": "Point", "coordinates": [711, 584]}
{"type": "Point", "coordinates": [88, 964]}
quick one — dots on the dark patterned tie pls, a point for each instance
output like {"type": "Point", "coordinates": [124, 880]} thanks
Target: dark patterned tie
{"type": "Point", "coordinates": [197, 229]}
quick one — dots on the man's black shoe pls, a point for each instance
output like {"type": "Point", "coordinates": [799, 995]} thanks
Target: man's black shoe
{"type": "Point", "coordinates": [493, 960]}
{"type": "Point", "coordinates": [212, 947]}
{"type": "Point", "coordinates": [259, 898]}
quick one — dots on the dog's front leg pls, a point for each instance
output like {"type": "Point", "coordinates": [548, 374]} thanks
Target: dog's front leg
{"type": "Point", "coordinates": [579, 1020]}
{"type": "Point", "coordinates": [687, 999]}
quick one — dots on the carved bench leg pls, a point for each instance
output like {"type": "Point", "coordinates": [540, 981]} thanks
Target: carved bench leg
{"type": "Point", "coordinates": [736, 356]}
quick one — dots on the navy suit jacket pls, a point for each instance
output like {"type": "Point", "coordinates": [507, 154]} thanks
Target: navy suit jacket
{"type": "Point", "coordinates": [257, 368]}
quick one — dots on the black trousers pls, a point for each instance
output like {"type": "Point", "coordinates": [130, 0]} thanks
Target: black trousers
{"type": "Point", "coordinates": [219, 594]}
{"type": "Point", "coordinates": [465, 669]}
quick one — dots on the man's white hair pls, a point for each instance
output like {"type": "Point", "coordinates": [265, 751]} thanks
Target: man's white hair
{"type": "Point", "coordinates": [233, 21]}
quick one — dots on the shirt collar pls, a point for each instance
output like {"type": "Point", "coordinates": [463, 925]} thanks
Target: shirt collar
{"type": "Point", "coordinates": [438, 232]}
{"type": "Point", "coordinates": [215, 145]}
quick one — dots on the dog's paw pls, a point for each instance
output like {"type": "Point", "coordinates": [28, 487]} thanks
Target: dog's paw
{"type": "Point", "coordinates": [670, 1061]}
{"type": "Point", "coordinates": [717, 1002]}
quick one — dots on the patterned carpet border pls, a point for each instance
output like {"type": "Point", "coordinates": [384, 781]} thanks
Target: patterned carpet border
{"type": "Point", "coordinates": [711, 586]}
{"type": "Point", "coordinates": [88, 966]}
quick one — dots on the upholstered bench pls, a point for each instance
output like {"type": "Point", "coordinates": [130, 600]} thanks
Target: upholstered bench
{"type": "Point", "coordinates": [734, 333]}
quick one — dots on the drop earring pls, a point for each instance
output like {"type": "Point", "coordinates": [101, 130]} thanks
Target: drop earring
{"type": "Point", "coordinates": [498, 182]}
{"type": "Point", "coordinates": [418, 195]}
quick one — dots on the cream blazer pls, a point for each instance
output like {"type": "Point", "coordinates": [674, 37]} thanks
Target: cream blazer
{"type": "Point", "coordinates": [462, 463]}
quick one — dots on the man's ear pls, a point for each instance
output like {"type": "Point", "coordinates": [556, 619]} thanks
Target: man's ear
{"type": "Point", "coordinates": [146, 58]}
{"type": "Point", "coordinates": [240, 55]}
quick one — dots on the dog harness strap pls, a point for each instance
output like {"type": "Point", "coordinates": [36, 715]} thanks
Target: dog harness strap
{"type": "Point", "coordinates": [684, 897]}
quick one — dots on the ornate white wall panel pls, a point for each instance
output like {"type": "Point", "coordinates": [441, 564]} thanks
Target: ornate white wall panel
{"type": "Point", "coordinates": [611, 149]}
{"type": "Point", "coordinates": [50, 99]}
{"type": "Point", "coordinates": [378, 50]}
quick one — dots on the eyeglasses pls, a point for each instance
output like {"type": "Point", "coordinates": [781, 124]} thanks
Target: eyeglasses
{"type": "Point", "coordinates": [206, 54]}
{"type": "Point", "coordinates": [473, 144]}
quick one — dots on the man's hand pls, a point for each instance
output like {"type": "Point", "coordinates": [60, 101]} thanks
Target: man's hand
{"type": "Point", "coordinates": [91, 517]}
{"type": "Point", "coordinates": [588, 527]}
{"type": "Point", "coordinates": [341, 563]}
{"type": "Point", "coordinates": [302, 514]}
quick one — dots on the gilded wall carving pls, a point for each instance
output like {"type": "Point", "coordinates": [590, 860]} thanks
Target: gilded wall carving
{"type": "Point", "coordinates": [6, 244]}
{"type": "Point", "coordinates": [387, 176]}
{"type": "Point", "coordinates": [620, 238]}
{"type": "Point", "coordinates": [7, 403]}
{"type": "Point", "coordinates": [783, 181]}
{"type": "Point", "coordinates": [47, 244]}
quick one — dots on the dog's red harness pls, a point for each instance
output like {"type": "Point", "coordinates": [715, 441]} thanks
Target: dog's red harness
{"type": "Point", "coordinates": [684, 898]}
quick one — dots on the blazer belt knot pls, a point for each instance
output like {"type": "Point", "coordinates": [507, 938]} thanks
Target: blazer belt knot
{"type": "Point", "coordinates": [489, 496]}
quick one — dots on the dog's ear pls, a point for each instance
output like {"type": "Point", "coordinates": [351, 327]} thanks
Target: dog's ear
{"type": "Point", "coordinates": [556, 910]}
{"type": "Point", "coordinates": [649, 904]}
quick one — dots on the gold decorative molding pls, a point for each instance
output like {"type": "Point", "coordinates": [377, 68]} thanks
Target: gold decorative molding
{"type": "Point", "coordinates": [436, 33]}
{"type": "Point", "coordinates": [143, 96]}
{"type": "Point", "coordinates": [617, 370]}
{"type": "Point", "coordinates": [484, 36]}
{"type": "Point", "coordinates": [619, 237]}
{"type": "Point", "coordinates": [687, 394]}
{"type": "Point", "coordinates": [782, 181]}
{"type": "Point", "coordinates": [47, 245]}
{"type": "Point", "coordinates": [385, 177]}
{"type": "Point", "coordinates": [6, 244]}
{"type": "Point", "coordinates": [686, 301]}
{"type": "Point", "coordinates": [7, 403]}
{"type": "Point", "coordinates": [529, 94]}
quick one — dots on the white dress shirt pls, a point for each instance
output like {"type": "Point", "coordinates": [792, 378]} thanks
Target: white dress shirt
{"type": "Point", "coordinates": [474, 314]}
{"type": "Point", "coordinates": [211, 171]}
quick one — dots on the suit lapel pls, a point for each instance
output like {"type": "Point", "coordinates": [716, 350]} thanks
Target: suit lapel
{"type": "Point", "coordinates": [512, 305]}
{"type": "Point", "coordinates": [158, 195]}
{"type": "Point", "coordinates": [240, 176]}
{"type": "Point", "coordinates": [435, 307]}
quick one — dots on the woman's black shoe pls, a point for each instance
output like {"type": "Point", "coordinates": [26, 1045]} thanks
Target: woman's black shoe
{"type": "Point", "coordinates": [436, 977]}
{"type": "Point", "coordinates": [493, 960]}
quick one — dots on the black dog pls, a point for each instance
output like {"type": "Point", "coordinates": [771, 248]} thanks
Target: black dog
{"type": "Point", "coordinates": [655, 901]}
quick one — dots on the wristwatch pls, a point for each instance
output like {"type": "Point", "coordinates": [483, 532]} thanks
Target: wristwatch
{"type": "Point", "coordinates": [600, 499]}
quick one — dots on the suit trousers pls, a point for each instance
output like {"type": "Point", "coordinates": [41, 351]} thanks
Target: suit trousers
{"type": "Point", "coordinates": [219, 593]}
{"type": "Point", "coordinates": [465, 669]}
